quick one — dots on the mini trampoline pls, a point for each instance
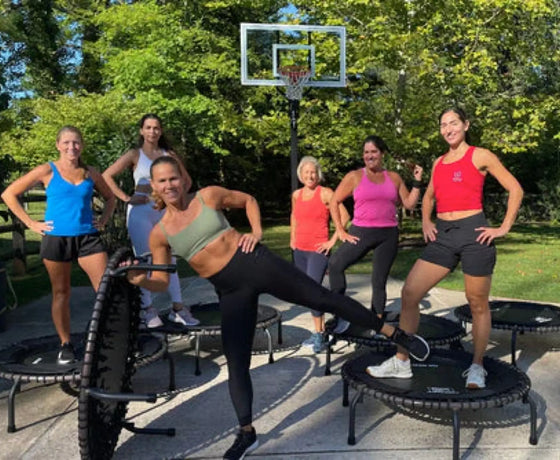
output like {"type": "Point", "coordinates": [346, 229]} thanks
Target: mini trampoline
{"type": "Point", "coordinates": [436, 330]}
{"type": "Point", "coordinates": [517, 317]}
{"type": "Point", "coordinates": [438, 384]}
{"type": "Point", "coordinates": [110, 355]}
{"type": "Point", "coordinates": [210, 319]}
{"type": "Point", "coordinates": [35, 361]}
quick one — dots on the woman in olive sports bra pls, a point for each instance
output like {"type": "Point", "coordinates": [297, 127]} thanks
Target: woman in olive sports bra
{"type": "Point", "coordinates": [240, 268]}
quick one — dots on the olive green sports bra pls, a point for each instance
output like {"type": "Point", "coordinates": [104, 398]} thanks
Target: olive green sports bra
{"type": "Point", "coordinates": [207, 226]}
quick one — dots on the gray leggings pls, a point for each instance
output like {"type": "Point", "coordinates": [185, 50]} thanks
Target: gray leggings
{"type": "Point", "coordinates": [384, 242]}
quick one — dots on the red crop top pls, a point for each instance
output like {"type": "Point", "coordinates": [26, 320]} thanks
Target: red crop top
{"type": "Point", "coordinates": [458, 185]}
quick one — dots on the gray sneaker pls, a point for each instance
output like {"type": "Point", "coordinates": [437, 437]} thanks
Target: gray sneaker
{"type": "Point", "coordinates": [341, 326]}
{"type": "Point", "coordinates": [392, 368]}
{"type": "Point", "coordinates": [319, 345]}
{"type": "Point", "coordinates": [309, 342]}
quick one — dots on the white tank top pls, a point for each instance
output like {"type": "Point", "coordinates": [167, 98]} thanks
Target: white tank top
{"type": "Point", "coordinates": [141, 173]}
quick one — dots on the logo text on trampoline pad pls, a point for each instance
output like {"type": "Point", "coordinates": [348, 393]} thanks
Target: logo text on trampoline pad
{"type": "Point", "coordinates": [442, 390]}
{"type": "Point", "coordinates": [542, 319]}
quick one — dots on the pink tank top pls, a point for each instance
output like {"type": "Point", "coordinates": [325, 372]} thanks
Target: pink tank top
{"type": "Point", "coordinates": [312, 222]}
{"type": "Point", "coordinates": [375, 205]}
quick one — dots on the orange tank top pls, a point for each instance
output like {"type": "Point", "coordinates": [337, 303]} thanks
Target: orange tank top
{"type": "Point", "coordinates": [312, 221]}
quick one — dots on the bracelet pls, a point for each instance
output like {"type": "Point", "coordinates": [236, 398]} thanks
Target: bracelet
{"type": "Point", "coordinates": [416, 184]}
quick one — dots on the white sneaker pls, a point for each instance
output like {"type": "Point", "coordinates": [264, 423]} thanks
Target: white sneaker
{"type": "Point", "coordinates": [475, 377]}
{"type": "Point", "coordinates": [392, 368]}
{"type": "Point", "coordinates": [149, 317]}
{"type": "Point", "coordinates": [183, 316]}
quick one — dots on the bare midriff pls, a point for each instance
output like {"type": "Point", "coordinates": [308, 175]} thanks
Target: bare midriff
{"type": "Point", "coordinates": [215, 255]}
{"type": "Point", "coordinates": [456, 215]}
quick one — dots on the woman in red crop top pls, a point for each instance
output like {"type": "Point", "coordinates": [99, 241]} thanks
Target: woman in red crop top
{"type": "Point", "coordinates": [309, 234]}
{"type": "Point", "coordinates": [377, 193]}
{"type": "Point", "coordinates": [461, 233]}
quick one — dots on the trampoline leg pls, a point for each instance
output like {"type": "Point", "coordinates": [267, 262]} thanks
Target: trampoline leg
{"type": "Point", "coordinates": [456, 434]}
{"type": "Point", "coordinates": [352, 418]}
{"type": "Point", "coordinates": [269, 342]}
{"type": "Point", "coordinates": [280, 340]}
{"type": "Point", "coordinates": [513, 343]}
{"type": "Point", "coordinates": [197, 356]}
{"type": "Point", "coordinates": [171, 362]}
{"type": "Point", "coordinates": [328, 359]}
{"type": "Point", "coordinates": [159, 431]}
{"type": "Point", "coordinates": [11, 405]}
{"type": "Point", "coordinates": [533, 438]}
{"type": "Point", "coordinates": [344, 393]}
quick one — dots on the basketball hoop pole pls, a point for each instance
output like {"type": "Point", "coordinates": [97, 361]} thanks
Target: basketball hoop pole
{"type": "Point", "coordinates": [294, 113]}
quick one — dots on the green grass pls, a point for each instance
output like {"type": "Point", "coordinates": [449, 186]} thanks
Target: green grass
{"type": "Point", "coordinates": [528, 262]}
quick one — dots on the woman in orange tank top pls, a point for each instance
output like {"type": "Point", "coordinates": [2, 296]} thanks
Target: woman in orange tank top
{"type": "Point", "coordinates": [461, 233]}
{"type": "Point", "coordinates": [309, 234]}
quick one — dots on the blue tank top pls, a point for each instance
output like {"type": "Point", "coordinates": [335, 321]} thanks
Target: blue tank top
{"type": "Point", "coordinates": [69, 206]}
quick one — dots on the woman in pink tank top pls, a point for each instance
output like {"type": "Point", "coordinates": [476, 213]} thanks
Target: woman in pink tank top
{"type": "Point", "coordinates": [377, 194]}
{"type": "Point", "coordinates": [309, 234]}
{"type": "Point", "coordinates": [461, 233]}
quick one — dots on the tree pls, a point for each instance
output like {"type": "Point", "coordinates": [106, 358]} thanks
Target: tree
{"type": "Point", "coordinates": [35, 42]}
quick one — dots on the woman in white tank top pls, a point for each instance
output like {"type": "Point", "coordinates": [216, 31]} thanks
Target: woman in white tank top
{"type": "Point", "coordinates": [141, 215]}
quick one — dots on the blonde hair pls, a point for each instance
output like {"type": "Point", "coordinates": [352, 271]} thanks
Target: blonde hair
{"type": "Point", "coordinates": [314, 162]}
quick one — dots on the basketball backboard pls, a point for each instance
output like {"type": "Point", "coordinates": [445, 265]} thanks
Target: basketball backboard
{"type": "Point", "coordinates": [265, 48]}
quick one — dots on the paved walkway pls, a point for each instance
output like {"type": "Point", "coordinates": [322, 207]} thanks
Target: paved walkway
{"type": "Point", "coordinates": [298, 411]}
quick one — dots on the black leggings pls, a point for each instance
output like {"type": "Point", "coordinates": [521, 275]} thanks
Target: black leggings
{"type": "Point", "coordinates": [384, 241]}
{"type": "Point", "coordinates": [239, 284]}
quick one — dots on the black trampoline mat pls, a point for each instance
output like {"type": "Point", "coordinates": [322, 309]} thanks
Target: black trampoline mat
{"type": "Point", "coordinates": [433, 329]}
{"type": "Point", "coordinates": [210, 318]}
{"type": "Point", "coordinates": [148, 346]}
{"type": "Point", "coordinates": [518, 315]}
{"type": "Point", "coordinates": [438, 378]}
{"type": "Point", "coordinates": [37, 357]}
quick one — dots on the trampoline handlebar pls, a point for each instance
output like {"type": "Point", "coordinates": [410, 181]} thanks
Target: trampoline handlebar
{"type": "Point", "coordinates": [121, 271]}
{"type": "Point", "coordinates": [103, 395]}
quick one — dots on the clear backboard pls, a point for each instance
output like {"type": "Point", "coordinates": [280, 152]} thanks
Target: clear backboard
{"type": "Point", "coordinates": [268, 48]}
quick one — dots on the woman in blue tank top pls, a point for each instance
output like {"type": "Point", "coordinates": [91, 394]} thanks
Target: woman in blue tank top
{"type": "Point", "coordinates": [240, 268]}
{"type": "Point", "coordinates": [70, 231]}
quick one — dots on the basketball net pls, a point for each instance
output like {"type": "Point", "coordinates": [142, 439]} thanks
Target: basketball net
{"type": "Point", "coordinates": [295, 77]}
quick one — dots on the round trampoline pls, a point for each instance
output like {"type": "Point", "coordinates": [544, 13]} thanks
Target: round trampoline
{"type": "Point", "coordinates": [210, 317]}
{"type": "Point", "coordinates": [35, 361]}
{"type": "Point", "coordinates": [436, 330]}
{"type": "Point", "coordinates": [518, 317]}
{"type": "Point", "coordinates": [437, 383]}
{"type": "Point", "coordinates": [111, 351]}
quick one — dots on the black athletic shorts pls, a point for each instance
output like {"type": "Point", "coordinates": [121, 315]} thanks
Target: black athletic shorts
{"type": "Point", "coordinates": [69, 248]}
{"type": "Point", "coordinates": [456, 241]}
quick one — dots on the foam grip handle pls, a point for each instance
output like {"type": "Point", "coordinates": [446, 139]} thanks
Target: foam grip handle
{"type": "Point", "coordinates": [121, 271]}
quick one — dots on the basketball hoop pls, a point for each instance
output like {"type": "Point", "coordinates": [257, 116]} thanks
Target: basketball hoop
{"type": "Point", "coordinates": [294, 77]}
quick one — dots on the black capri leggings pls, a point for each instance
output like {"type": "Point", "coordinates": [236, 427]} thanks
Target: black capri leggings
{"type": "Point", "coordinates": [384, 241]}
{"type": "Point", "coordinates": [239, 284]}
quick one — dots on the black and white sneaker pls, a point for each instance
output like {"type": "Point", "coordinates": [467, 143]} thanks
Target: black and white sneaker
{"type": "Point", "coordinates": [66, 354]}
{"type": "Point", "coordinates": [245, 442]}
{"type": "Point", "coordinates": [414, 344]}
